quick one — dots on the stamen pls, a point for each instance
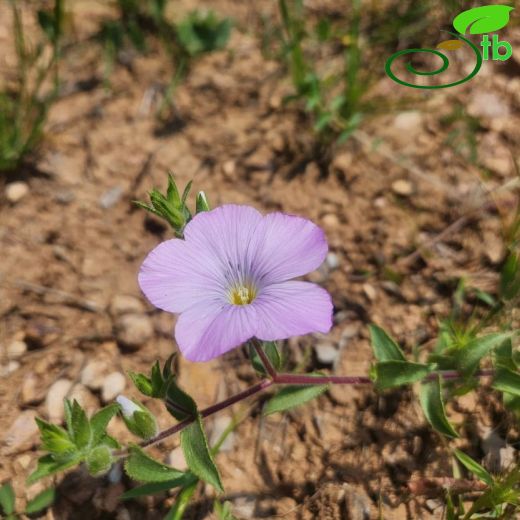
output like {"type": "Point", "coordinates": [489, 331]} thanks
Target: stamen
{"type": "Point", "coordinates": [242, 294]}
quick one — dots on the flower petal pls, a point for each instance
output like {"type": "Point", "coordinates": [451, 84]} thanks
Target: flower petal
{"type": "Point", "coordinates": [292, 309]}
{"type": "Point", "coordinates": [229, 235]}
{"type": "Point", "coordinates": [290, 247]}
{"type": "Point", "coordinates": [209, 329]}
{"type": "Point", "coordinates": [175, 276]}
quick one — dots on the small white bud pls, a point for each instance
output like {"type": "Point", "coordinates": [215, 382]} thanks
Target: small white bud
{"type": "Point", "coordinates": [128, 407]}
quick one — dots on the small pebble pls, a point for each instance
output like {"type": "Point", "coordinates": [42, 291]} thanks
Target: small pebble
{"type": "Point", "coordinates": [28, 394]}
{"type": "Point", "coordinates": [93, 374]}
{"type": "Point", "coordinates": [12, 366]}
{"type": "Point", "coordinates": [402, 187]}
{"type": "Point", "coordinates": [111, 197]}
{"type": "Point", "coordinates": [330, 220]}
{"type": "Point", "coordinates": [22, 433]}
{"type": "Point", "coordinates": [332, 261]}
{"type": "Point", "coordinates": [326, 353]}
{"type": "Point", "coordinates": [125, 304]}
{"type": "Point", "coordinates": [113, 385]}
{"type": "Point", "coordinates": [16, 191]}
{"type": "Point", "coordinates": [16, 349]}
{"type": "Point", "coordinates": [54, 400]}
{"type": "Point", "coordinates": [133, 330]}
{"type": "Point", "coordinates": [84, 397]}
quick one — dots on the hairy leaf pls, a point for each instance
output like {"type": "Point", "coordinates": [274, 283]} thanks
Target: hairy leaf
{"type": "Point", "coordinates": [396, 373]}
{"type": "Point", "coordinates": [159, 487]}
{"type": "Point", "coordinates": [432, 403]}
{"type": "Point", "coordinates": [41, 501]}
{"type": "Point", "coordinates": [100, 420]}
{"type": "Point", "coordinates": [7, 498]}
{"type": "Point", "coordinates": [197, 454]}
{"type": "Point", "coordinates": [291, 396]}
{"type": "Point", "coordinates": [384, 347]}
{"type": "Point", "coordinates": [54, 438]}
{"type": "Point", "coordinates": [142, 467]}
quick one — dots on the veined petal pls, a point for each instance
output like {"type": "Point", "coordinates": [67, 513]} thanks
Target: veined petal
{"type": "Point", "coordinates": [292, 309]}
{"type": "Point", "coordinates": [229, 234]}
{"type": "Point", "coordinates": [210, 329]}
{"type": "Point", "coordinates": [175, 276]}
{"type": "Point", "coordinates": [290, 247]}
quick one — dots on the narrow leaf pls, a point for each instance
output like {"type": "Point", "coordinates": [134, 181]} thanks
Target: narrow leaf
{"type": "Point", "coordinates": [142, 383]}
{"type": "Point", "coordinates": [470, 355]}
{"type": "Point", "coordinates": [396, 373]}
{"type": "Point", "coordinates": [292, 396]}
{"type": "Point", "coordinates": [433, 407]}
{"type": "Point", "coordinates": [198, 457]}
{"type": "Point", "coordinates": [41, 501]}
{"type": "Point", "coordinates": [158, 487]}
{"type": "Point", "coordinates": [507, 381]}
{"type": "Point", "coordinates": [47, 465]}
{"type": "Point", "coordinates": [178, 402]}
{"type": "Point", "coordinates": [384, 347]}
{"type": "Point", "coordinates": [7, 498]}
{"type": "Point", "coordinates": [474, 467]}
{"type": "Point", "coordinates": [142, 467]}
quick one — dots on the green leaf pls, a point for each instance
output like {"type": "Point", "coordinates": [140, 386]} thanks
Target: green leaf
{"type": "Point", "coordinates": [41, 501]}
{"type": "Point", "coordinates": [179, 403]}
{"type": "Point", "coordinates": [292, 396]}
{"type": "Point", "coordinates": [159, 487]}
{"type": "Point", "coordinates": [507, 381]}
{"type": "Point", "coordinates": [47, 465]}
{"type": "Point", "coordinates": [54, 438]}
{"type": "Point", "coordinates": [99, 460]}
{"type": "Point", "coordinates": [7, 498]}
{"type": "Point", "coordinates": [469, 356]}
{"type": "Point", "coordinates": [182, 501]}
{"type": "Point", "coordinates": [172, 192]}
{"type": "Point", "coordinates": [67, 407]}
{"type": "Point", "coordinates": [396, 373]}
{"type": "Point", "coordinates": [474, 467]}
{"type": "Point", "coordinates": [198, 457]}
{"type": "Point", "coordinates": [384, 347]}
{"type": "Point", "coordinates": [432, 404]}
{"type": "Point", "coordinates": [504, 355]}
{"type": "Point", "coordinates": [510, 277]}
{"type": "Point", "coordinates": [271, 351]}
{"type": "Point", "coordinates": [223, 510]}
{"type": "Point", "coordinates": [100, 420]}
{"type": "Point", "coordinates": [142, 467]}
{"type": "Point", "coordinates": [158, 382]}
{"type": "Point", "coordinates": [142, 383]}
{"type": "Point", "coordinates": [485, 19]}
{"type": "Point", "coordinates": [81, 430]}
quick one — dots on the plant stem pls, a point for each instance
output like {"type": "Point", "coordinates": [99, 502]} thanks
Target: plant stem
{"type": "Point", "coordinates": [248, 392]}
{"type": "Point", "coordinates": [289, 379]}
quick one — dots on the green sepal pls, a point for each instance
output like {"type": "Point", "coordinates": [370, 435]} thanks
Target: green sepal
{"type": "Point", "coordinates": [99, 460]}
{"type": "Point", "coordinates": [202, 203]}
{"type": "Point", "coordinates": [271, 351]}
{"type": "Point", "coordinates": [197, 454]}
{"type": "Point", "coordinates": [178, 402]}
{"type": "Point", "coordinates": [99, 422]}
{"type": "Point", "coordinates": [142, 383]}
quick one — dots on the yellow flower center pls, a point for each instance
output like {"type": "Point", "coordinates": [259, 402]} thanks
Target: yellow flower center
{"type": "Point", "coordinates": [242, 294]}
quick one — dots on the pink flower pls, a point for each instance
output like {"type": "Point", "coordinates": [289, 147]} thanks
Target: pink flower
{"type": "Point", "coordinates": [230, 280]}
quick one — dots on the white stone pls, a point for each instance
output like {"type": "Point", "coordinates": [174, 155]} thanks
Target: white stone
{"type": "Point", "coordinates": [134, 330]}
{"type": "Point", "coordinates": [93, 374]}
{"type": "Point", "coordinates": [54, 400]}
{"type": "Point", "coordinates": [16, 191]}
{"type": "Point", "coordinates": [113, 385]}
{"type": "Point", "coordinates": [326, 353]}
{"type": "Point", "coordinates": [16, 349]}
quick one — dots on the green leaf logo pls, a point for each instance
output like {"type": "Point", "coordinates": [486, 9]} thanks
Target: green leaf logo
{"type": "Point", "coordinates": [480, 20]}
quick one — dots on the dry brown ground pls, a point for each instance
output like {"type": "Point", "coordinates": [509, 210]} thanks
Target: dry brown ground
{"type": "Point", "coordinates": [352, 451]}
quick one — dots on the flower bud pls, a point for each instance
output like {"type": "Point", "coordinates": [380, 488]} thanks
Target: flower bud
{"type": "Point", "coordinates": [138, 419]}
